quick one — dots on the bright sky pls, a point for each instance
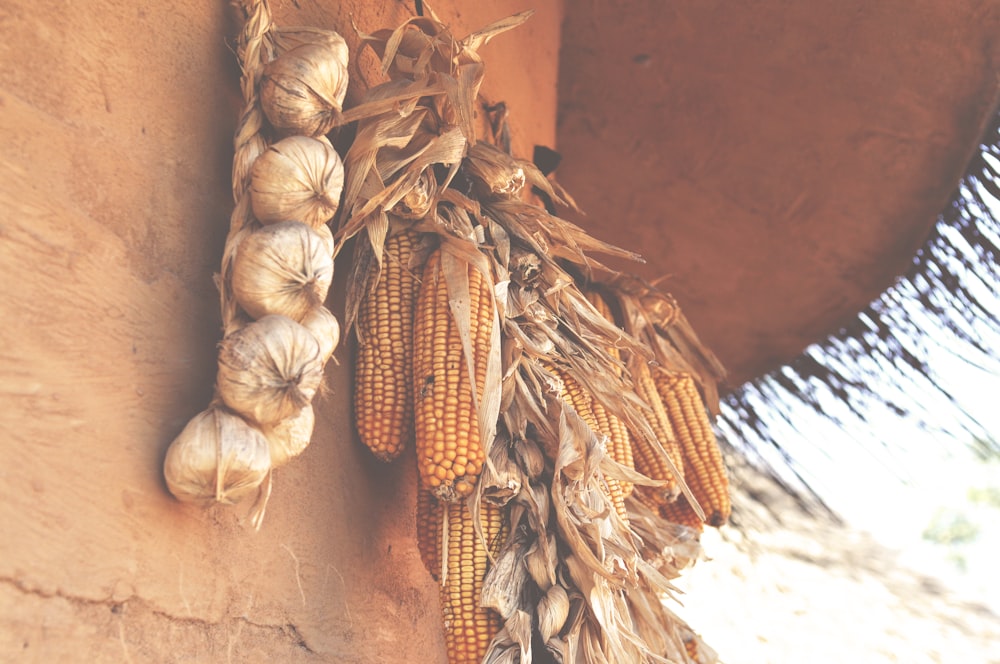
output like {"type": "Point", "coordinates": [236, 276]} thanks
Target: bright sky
{"type": "Point", "coordinates": [891, 477]}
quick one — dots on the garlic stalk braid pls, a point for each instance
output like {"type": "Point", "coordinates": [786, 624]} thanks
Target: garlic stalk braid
{"type": "Point", "coordinates": [254, 49]}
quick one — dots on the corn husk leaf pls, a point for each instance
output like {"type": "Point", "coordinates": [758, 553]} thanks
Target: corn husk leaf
{"type": "Point", "coordinates": [505, 583]}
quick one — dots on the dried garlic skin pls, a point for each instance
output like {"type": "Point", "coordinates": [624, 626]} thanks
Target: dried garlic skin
{"type": "Point", "coordinates": [283, 269]}
{"type": "Point", "coordinates": [218, 457]}
{"type": "Point", "coordinates": [269, 370]}
{"type": "Point", "coordinates": [327, 235]}
{"type": "Point", "coordinates": [325, 327]}
{"type": "Point", "coordinates": [297, 179]}
{"type": "Point", "coordinates": [302, 91]}
{"type": "Point", "coordinates": [290, 437]}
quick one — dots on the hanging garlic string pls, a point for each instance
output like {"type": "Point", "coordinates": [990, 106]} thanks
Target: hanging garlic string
{"type": "Point", "coordinates": [254, 49]}
{"type": "Point", "coordinates": [271, 279]}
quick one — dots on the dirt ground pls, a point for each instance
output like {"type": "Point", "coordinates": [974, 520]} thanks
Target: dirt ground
{"type": "Point", "coordinates": [814, 590]}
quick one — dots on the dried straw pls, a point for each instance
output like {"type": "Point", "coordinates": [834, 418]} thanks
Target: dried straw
{"type": "Point", "coordinates": [565, 528]}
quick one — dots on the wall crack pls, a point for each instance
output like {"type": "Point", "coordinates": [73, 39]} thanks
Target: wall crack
{"type": "Point", "coordinates": [135, 606]}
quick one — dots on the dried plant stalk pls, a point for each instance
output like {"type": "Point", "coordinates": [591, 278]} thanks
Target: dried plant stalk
{"type": "Point", "coordinates": [554, 462]}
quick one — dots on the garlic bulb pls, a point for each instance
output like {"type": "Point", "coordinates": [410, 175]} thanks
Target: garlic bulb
{"type": "Point", "coordinates": [303, 89]}
{"type": "Point", "coordinates": [327, 235]}
{"type": "Point", "coordinates": [218, 457]}
{"type": "Point", "coordinates": [283, 269]}
{"type": "Point", "coordinates": [290, 437]}
{"type": "Point", "coordinates": [325, 327]}
{"type": "Point", "coordinates": [269, 370]}
{"type": "Point", "coordinates": [297, 179]}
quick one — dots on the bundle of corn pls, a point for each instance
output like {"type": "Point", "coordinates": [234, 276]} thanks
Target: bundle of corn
{"type": "Point", "coordinates": [672, 386]}
{"type": "Point", "coordinates": [276, 268]}
{"type": "Point", "coordinates": [481, 341]}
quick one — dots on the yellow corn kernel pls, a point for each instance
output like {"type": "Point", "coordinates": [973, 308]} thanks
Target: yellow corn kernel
{"type": "Point", "coordinates": [698, 652]}
{"type": "Point", "coordinates": [649, 496]}
{"type": "Point", "coordinates": [383, 396]}
{"type": "Point", "coordinates": [430, 511]}
{"type": "Point", "coordinates": [681, 513]}
{"type": "Point", "coordinates": [468, 627]}
{"type": "Point", "coordinates": [619, 442]}
{"type": "Point", "coordinates": [574, 394]}
{"type": "Point", "coordinates": [450, 455]}
{"type": "Point", "coordinates": [704, 469]}
{"type": "Point", "coordinates": [691, 646]}
{"type": "Point", "coordinates": [648, 460]}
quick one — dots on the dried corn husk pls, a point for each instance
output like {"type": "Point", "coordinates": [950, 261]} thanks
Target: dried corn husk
{"type": "Point", "coordinates": [290, 437]}
{"type": "Point", "coordinates": [502, 478]}
{"type": "Point", "coordinates": [417, 202]}
{"type": "Point", "coordinates": [269, 370]}
{"type": "Point", "coordinates": [218, 457]}
{"type": "Point", "coordinates": [282, 269]}
{"type": "Point", "coordinates": [495, 173]}
{"type": "Point", "coordinates": [302, 91]}
{"type": "Point", "coordinates": [297, 179]}
{"type": "Point", "coordinates": [325, 327]}
{"type": "Point", "coordinates": [553, 609]}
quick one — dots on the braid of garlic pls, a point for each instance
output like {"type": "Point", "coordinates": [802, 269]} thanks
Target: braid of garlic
{"type": "Point", "coordinates": [254, 49]}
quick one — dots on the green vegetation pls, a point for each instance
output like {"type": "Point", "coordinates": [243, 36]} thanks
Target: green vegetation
{"type": "Point", "coordinates": [987, 496]}
{"type": "Point", "coordinates": [949, 527]}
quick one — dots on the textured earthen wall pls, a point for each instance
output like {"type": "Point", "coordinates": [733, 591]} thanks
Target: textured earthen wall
{"type": "Point", "coordinates": [116, 122]}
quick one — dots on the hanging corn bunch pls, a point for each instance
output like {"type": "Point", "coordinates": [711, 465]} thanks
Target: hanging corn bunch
{"type": "Point", "coordinates": [526, 393]}
{"type": "Point", "coordinates": [276, 268]}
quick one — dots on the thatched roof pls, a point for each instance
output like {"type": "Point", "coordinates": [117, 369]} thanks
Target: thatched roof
{"type": "Point", "coordinates": [948, 296]}
{"type": "Point", "coordinates": [804, 178]}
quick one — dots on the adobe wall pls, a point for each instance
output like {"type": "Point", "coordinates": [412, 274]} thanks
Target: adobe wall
{"type": "Point", "coordinates": [116, 121]}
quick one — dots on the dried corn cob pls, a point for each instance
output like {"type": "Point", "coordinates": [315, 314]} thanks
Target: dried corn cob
{"type": "Point", "coordinates": [574, 394]}
{"type": "Point", "coordinates": [698, 652]}
{"type": "Point", "coordinates": [469, 627]}
{"type": "Point", "coordinates": [430, 511]}
{"type": "Point", "coordinates": [648, 460]}
{"type": "Point", "coordinates": [704, 469]}
{"type": "Point", "coordinates": [691, 648]}
{"type": "Point", "coordinates": [681, 513]}
{"type": "Point", "coordinates": [649, 496]}
{"type": "Point", "coordinates": [383, 396]}
{"type": "Point", "coordinates": [619, 442]}
{"type": "Point", "coordinates": [450, 455]}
